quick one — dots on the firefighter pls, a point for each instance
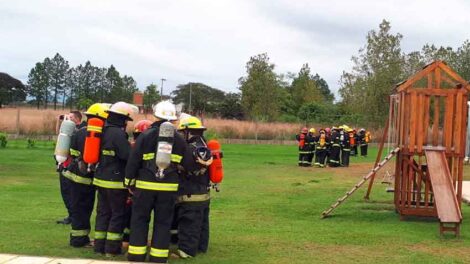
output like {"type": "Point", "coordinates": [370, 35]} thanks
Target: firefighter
{"type": "Point", "coordinates": [354, 141]}
{"type": "Point", "coordinates": [364, 138]}
{"type": "Point", "coordinates": [335, 148]}
{"type": "Point", "coordinates": [152, 190]}
{"type": "Point", "coordinates": [322, 142]}
{"type": "Point", "coordinates": [139, 127]}
{"type": "Point", "coordinates": [312, 142]}
{"type": "Point", "coordinates": [82, 191]}
{"type": "Point", "coordinates": [346, 146]}
{"type": "Point", "coordinates": [192, 204]}
{"type": "Point", "coordinates": [328, 147]}
{"type": "Point", "coordinates": [109, 178]}
{"type": "Point", "coordinates": [302, 138]}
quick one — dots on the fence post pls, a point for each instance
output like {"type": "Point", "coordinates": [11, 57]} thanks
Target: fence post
{"type": "Point", "coordinates": [17, 122]}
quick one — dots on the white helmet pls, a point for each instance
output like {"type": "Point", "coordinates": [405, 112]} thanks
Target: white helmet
{"type": "Point", "coordinates": [123, 108]}
{"type": "Point", "coordinates": [165, 110]}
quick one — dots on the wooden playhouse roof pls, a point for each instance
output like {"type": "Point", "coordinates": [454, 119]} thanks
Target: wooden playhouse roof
{"type": "Point", "coordinates": [440, 71]}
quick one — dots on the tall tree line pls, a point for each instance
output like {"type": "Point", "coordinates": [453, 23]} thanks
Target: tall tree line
{"type": "Point", "coordinates": [54, 81]}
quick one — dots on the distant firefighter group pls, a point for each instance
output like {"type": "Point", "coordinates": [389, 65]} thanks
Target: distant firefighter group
{"type": "Point", "coordinates": [331, 146]}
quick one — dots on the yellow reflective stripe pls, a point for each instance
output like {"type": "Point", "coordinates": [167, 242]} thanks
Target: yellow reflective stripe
{"type": "Point", "coordinates": [159, 253]}
{"type": "Point", "coordinates": [157, 186]}
{"type": "Point", "coordinates": [108, 184]}
{"type": "Point", "coordinates": [76, 178]}
{"type": "Point", "coordinates": [108, 152]}
{"type": "Point", "coordinates": [74, 152]}
{"type": "Point", "coordinates": [137, 250]}
{"type": "Point", "coordinates": [148, 156]}
{"type": "Point", "coordinates": [127, 231]}
{"type": "Point", "coordinates": [176, 158]}
{"type": "Point", "coordinates": [113, 236]}
{"type": "Point", "coordinates": [77, 233]}
{"type": "Point", "coordinates": [128, 182]}
{"type": "Point", "coordinates": [194, 198]}
{"type": "Point", "coordinates": [94, 128]}
{"type": "Point", "coordinates": [100, 234]}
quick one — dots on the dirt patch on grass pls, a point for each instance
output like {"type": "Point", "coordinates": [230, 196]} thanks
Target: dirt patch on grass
{"type": "Point", "coordinates": [459, 252]}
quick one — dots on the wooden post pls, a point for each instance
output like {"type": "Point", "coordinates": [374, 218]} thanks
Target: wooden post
{"type": "Point", "coordinates": [377, 160]}
{"type": "Point", "coordinates": [17, 122]}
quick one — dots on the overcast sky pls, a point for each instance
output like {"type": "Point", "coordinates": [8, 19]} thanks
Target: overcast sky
{"type": "Point", "coordinates": [211, 41]}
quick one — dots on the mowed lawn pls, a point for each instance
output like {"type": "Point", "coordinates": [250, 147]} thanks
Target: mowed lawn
{"type": "Point", "coordinates": [267, 212]}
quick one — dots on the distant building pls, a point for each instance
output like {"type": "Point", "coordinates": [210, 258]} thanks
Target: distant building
{"type": "Point", "coordinates": [138, 100]}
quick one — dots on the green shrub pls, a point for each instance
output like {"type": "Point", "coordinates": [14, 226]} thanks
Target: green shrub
{"type": "Point", "coordinates": [31, 143]}
{"type": "Point", "coordinates": [3, 140]}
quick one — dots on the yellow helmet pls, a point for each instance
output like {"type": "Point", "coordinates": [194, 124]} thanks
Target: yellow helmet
{"type": "Point", "coordinates": [190, 122]}
{"type": "Point", "coordinates": [312, 130]}
{"type": "Point", "coordinates": [99, 110]}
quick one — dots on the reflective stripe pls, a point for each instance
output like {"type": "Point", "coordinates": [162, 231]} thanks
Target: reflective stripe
{"type": "Point", "coordinates": [127, 231]}
{"type": "Point", "coordinates": [137, 250]}
{"type": "Point", "coordinates": [148, 156]}
{"type": "Point", "coordinates": [157, 186]}
{"type": "Point", "coordinates": [159, 253]}
{"type": "Point", "coordinates": [346, 149]}
{"type": "Point", "coordinates": [108, 152]}
{"type": "Point", "coordinates": [113, 236]}
{"type": "Point", "coordinates": [304, 152]}
{"type": "Point", "coordinates": [79, 233]}
{"type": "Point", "coordinates": [193, 198]}
{"type": "Point", "coordinates": [108, 184]}
{"type": "Point", "coordinates": [74, 152]}
{"type": "Point", "coordinates": [129, 182]}
{"type": "Point", "coordinates": [100, 234]}
{"type": "Point", "coordinates": [176, 158]}
{"type": "Point", "coordinates": [336, 145]}
{"type": "Point", "coordinates": [76, 178]}
{"type": "Point", "coordinates": [94, 128]}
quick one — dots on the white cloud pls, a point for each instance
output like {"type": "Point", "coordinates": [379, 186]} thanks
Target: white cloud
{"type": "Point", "coordinates": [210, 41]}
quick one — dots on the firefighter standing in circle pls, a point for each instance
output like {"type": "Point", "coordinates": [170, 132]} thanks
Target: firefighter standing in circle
{"type": "Point", "coordinates": [139, 127]}
{"type": "Point", "coordinates": [364, 139]}
{"type": "Point", "coordinates": [335, 149]}
{"type": "Point", "coordinates": [345, 146]}
{"type": "Point", "coordinates": [82, 190]}
{"type": "Point", "coordinates": [192, 204]}
{"type": "Point", "coordinates": [304, 146]}
{"type": "Point", "coordinates": [322, 142]}
{"type": "Point", "coordinates": [312, 145]}
{"type": "Point", "coordinates": [155, 189]}
{"type": "Point", "coordinates": [109, 177]}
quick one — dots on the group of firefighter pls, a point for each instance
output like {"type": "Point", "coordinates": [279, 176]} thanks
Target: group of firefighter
{"type": "Point", "coordinates": [331, 147]}
{"type": "Point", "coordinates": [165, 169]}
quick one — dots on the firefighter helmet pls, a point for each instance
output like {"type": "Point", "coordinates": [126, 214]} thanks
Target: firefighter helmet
{"type": "Point", "coordinates": [190, 122]}
{"type": "Point", "coordinates": [327, 130]}
{"type": "Point", "coordinates": [312, 130]}
{"type": "Point", "coordinates": [142, 125]}
{"type": "Point", "coordinates": [362, 129]}
{"type": "Point", "coordinates": [165, 110]}
{"type": "Point", "coordinates": [98, 109]}
{"type": "Point", "coordinates": [124, 109]}
{"type": "Point", "coordinates": [304, 130]}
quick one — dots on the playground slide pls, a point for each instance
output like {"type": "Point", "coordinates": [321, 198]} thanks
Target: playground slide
{"type": "Point", "coordinates": [447, 206]}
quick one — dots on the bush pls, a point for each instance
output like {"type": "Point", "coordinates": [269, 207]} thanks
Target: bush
{"type": "Point", "coordinates": [31, 143]}
{"type": "Point", "coordinates": [3, 140]}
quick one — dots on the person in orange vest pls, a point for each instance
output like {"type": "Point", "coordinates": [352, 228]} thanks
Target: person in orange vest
{"type": "Point", "coordinates": [364, 139]}
{"type": "Point", "coordinates": [354, 141]}
{"type": "Point", "coordinates": [304, 146]}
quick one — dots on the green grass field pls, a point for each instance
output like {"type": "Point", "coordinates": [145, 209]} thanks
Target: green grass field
{"type": "Point", "coordinates": [267, 212]}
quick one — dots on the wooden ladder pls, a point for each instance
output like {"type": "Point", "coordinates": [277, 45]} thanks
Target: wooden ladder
{"type": "Point", "coordinates": [360, 183]}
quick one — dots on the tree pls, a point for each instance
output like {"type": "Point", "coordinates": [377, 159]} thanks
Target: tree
{"type": "Point", "coordinates": [38, 82]}
{"type": "Point", "coordinates": [377, 68]}
{"type": "Point", "coordinates": [261, 89]}
{"type": "Point", "coordinates": [151, 96]}
{"type": "Point", "coordinates": [57, 69]}
{"type": "Point", "coordinates": [328, 96]}
{"type": "Point", "coordinates": [129, 87]}
{"type": "Point", "coordinates": [11, 89]}
{"type": "Point", "coordinates": [231, 107]}
{"type": "Point", "coordinates": [304, 89]}
{"type": "Point", "coordinates": [198, 98]}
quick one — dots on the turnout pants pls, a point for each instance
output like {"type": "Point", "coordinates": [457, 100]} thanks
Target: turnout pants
{"type": "Point", "coordinates": [193, 227]}
{"type": "Point", "coordinates": [320, 157]}
{"type": "Point", "coordinates": [345, 154]}
{"type": "Point", "coordinates": [146, 201]}
{"type": "Point", "coordinates": [82, 202]}
{"type": "Point", "coordinates": [334, 156]}
{"type": "Point", "coordinates": [354, 150]}
{"type": "Point", "coordinates": [110, 216]}
{"type": "Point", "coordinates": [127, 220]}
{"type": "Point", "coordinates": [364, 150]}
{"type": "Point", "coordinates": [304, 158]}
{"type": "Point", "coordinates": [204, 236]}
{"type": "Point", "coordinates": [65, 192]}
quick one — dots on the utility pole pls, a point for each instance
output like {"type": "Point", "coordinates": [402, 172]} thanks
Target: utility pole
{"type": "Point", "coordinates": [190, 91]}
{"type": "Point", "coordinates": [161, 88]}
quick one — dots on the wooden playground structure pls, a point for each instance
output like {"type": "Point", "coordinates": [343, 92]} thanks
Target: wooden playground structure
{"type": "Point", "coordinates": [427, 127]}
